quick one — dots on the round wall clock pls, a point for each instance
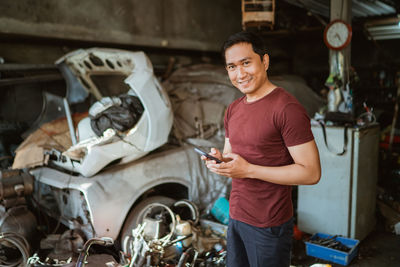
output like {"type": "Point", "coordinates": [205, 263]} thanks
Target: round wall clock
{"type": "Point", "coordinates": [337, 34]}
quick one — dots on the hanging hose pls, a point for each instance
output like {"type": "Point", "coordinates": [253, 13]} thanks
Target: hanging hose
{"type": "Point", "coordinates": [20, 243]}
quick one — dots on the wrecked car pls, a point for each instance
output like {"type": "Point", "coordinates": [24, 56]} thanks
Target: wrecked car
{"type": "Point", "coordinates": [95, 175]}
{"type": "Point", "coordinates": [98, 184]}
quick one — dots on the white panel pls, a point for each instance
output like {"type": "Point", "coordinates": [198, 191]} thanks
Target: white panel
{"type": "Point", "coordinates": [325, 207]}
{"type": "Point", "coordinates": [343, 202]}
{"type": "Point", "coordinates": [365, 173]}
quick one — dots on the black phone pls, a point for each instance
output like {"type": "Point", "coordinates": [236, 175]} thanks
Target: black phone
{"type": "Point", "coordinates": [201, 152]}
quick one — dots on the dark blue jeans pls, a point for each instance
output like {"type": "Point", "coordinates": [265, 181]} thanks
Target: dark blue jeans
{"type": "Point", "coordinates": [259, 247]}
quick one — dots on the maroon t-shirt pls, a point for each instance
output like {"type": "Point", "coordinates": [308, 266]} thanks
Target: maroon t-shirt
{"type": "Point", "coordinates": [260, 132]}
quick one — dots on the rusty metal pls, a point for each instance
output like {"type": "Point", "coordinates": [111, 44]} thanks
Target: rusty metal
{"type": "Point", "coordinates": [16, 186]}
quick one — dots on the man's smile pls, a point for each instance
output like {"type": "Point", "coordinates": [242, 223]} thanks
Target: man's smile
{"type": "Point", "coordinates": [245, 82]}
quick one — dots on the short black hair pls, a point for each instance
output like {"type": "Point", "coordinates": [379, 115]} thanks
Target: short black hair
{"type": "Point", "coordinates": [245, 37]}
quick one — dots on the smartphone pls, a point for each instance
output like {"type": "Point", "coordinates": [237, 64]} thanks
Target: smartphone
{"type": "Point", "coordinates": [201, 152]}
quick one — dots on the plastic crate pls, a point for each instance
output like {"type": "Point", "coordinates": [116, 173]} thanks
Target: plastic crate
{"type": "Point", "coordinates": [333, 255]}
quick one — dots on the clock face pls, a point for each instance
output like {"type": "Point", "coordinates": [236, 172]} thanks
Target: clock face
{"type": "Point", "coordinates": [337, 35]}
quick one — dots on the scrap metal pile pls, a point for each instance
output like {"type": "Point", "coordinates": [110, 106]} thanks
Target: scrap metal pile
{"type": "Point", "coordinates": [17, 223]}
{"type": "Point", "coordinates": [164, 238]}
{"type": "Point", "coordinates": [167, 235]}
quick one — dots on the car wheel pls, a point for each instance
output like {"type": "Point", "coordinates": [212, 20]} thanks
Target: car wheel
{"type": "Point", "coordinates": [133, 218]}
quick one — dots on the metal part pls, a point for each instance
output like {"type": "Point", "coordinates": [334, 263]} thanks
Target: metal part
{"type": "Point", "coordinates": [184, 229]}
{"type": "Point", "coordinates": [67, 205]}
{"type": "Point", "coordinates": [184, 258]}
{"type": "Point", "coordinates": [70, 123]}
{"type": "Point", "coordinates": [14, 186]}
{"type": "Point", "coordinates": [16, 241]}
{"type": "Point", "coordinates": [139, 245]}
{"type": "Point", "coordinates": [217, 228]}
{"type": "Point", "coordinates": [31, 79]}
{"type": "Point", "coordinates": [149, 211]}
{"type": "Point", "coordinates": [5, 173]}
{"type": "Point", "coordinates": [155, 227]}
{"type": "Point", "coordinates": [159, 248]}
{"type": "Point", "coordinates": [359, 8]}
{"type": "Point", "coordinates": [103, 241]}
{"type": "Point", "coordinates": [18, 220]}
{"type": "Point", "coordinates": [76, 93]}
{"type": "Point", "coordinates": [21, 67]}
{"type": "Point", "coordinates": [18, 185]}
{"type": "Point", "coordinates": [192, 207]}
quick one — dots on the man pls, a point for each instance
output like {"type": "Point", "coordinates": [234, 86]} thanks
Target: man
{"type": "Point", "coordinates": [268, 148]}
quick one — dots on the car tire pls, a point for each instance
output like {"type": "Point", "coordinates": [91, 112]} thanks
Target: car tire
{"type": "Point", "coordinates": [133, 217]}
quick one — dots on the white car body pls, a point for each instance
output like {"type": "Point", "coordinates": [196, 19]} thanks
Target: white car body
{"type": "Point", "coordinates": [150, 132]}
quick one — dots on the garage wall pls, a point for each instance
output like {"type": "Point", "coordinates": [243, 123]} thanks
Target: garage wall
{"type": "Point", "coordinates": [179, 24]}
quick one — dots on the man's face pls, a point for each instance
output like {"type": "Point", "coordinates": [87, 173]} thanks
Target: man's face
{"type": "Point", "coordinates": [246, 70]}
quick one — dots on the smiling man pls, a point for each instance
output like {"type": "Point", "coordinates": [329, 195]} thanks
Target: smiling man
{"type": "Point", "coordinates": [268, 148]}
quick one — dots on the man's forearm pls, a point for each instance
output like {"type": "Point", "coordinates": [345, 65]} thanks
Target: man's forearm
{"type": "Point", "coordinates": [293, 174]}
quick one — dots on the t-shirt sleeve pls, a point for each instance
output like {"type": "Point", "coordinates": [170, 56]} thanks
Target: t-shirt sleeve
{"type": "Point", "coordinates": [295, 125]}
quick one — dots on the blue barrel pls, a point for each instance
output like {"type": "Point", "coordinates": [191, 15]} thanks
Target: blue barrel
{"type": "Point", "coordinates": [220, 210]}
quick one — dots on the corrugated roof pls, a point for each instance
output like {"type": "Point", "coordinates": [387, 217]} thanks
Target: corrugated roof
{"type": "Point", "coordinates": [360, 8]}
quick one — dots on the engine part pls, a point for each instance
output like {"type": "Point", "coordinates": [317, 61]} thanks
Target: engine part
{"type": "Point", "coordinates": [12, 240]}
{"type": "Point", "coordinates": [155, 207]}
{"type": "Point", "coordinates": [140, 246]}
{"type": "Point", "coordinates": [192, 207]}
{"type": "Point", "coordinates": [155, 228]}
{"type": "Point", "coordinates": [133, 219]}
{"type": "Point", "coordinates": [15, 184]}
{"type": "Point", "coordinates": [71, 241]}
{"type": "Point", "coordinates": [18, 220]}
{"type": "Point", "coordinates": [183, 229]}
{"type": "Point", "coordinates": [103, 241]}
{"type": "Point", "coordinates": [8, 173]}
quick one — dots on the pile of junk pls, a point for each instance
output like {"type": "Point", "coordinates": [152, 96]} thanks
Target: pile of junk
{"type": "Point", "coordinates": [119, 183]}
{"type": "Point", "coordinates": [167, 235]}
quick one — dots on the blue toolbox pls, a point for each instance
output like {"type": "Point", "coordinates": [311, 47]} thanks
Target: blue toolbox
{"type": "Point", "coordinates": [332, 248]}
